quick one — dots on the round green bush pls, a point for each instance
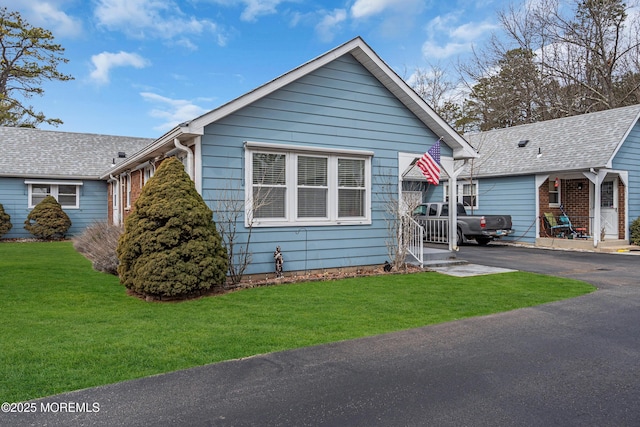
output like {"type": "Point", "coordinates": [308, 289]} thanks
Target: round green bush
{"type": "Point", "coordinates": [5, 222]}
{"type": "Point", "coordinates": [635, 232]}
{"type": "Point", "coordinates": [47, 220]}
{"type": "Point", "coordinates": [170, 246]}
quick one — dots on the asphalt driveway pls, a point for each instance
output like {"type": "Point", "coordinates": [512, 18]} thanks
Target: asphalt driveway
{"type": "Point", "coordinates": [574, 362]}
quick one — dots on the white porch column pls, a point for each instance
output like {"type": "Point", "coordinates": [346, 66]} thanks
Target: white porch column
{"type": "Point", "coordinates": [596, 177]}
{"type": "Point", "coordinates": [448, 167]}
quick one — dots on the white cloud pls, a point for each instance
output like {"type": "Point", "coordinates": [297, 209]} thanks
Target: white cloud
{"type": "Point", "coordinates": [105, 61]}
{"type": "Point", "coordinates": [48, 15]}
{"type": "Point", "coordinates": [256, 8]}
{"type": "Point", "coordinates": [447, 38]}
{"type": "Point", "coordinates": [330, 23]}
{"type": "Point", "coordinates": [431, 50]}
{"type": "Point", "coordinates": [253, 9]}
{"type": "Point", "coordinates": [171, 111]}
{"type": "Point", "coordinates": [473, 30]}
{"type": "Point", "coordinates": [367, 8]}
{"type": "Point", "coordinates": [154, 18]}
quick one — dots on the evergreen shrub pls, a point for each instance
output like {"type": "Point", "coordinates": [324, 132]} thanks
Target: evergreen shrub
{"type": "Point", "coordinates": [98, 243]}
{"type": "Point", "coordinates": [170, 246]}
{"type": "Point", "coordinates": [635, 232]}
{"type": "Point", "coordinates": [47, 220]}
{"type": "Point", "coordinates": [5, 221]}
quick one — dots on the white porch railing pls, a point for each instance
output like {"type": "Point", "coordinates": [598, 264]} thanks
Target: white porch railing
{"type": "Point", "coordinates": [413, 236]}
{"type": "Point", "coordinates": [436, 230]}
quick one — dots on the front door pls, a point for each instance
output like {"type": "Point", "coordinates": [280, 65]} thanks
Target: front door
{"type": "Point", "coordinates": [609, 208]}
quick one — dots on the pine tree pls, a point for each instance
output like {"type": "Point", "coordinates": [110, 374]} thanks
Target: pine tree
{"type": "Point", "coordinates": [47, 220]}
{"type": "Point", "coordinates": [171, 247]}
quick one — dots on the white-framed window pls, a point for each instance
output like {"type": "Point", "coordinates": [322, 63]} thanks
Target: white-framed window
{"type": "Point", "coordinates": [299, 185]}
{"type": "Point", "coordinates": [470, 194]}
{"type": "Point", "coordinates": [466, 193]}
{"type": "Point", "coordinates": [66, 193]}
{"type": "Point", "coordinates": [126, 187]}
{"type": "Point", "coordinates": [554, 192]}
{"type": "Point", "coordinates": [147, 174]}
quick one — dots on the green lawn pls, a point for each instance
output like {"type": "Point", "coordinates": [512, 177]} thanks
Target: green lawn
{"type": "Point", "coordinates": [66, 327]}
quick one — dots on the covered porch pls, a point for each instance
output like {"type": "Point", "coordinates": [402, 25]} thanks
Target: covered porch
{"type": "Point", "coordinates": [583, 208]}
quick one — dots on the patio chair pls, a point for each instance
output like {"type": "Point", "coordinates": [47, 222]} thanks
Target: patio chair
{"type": "Point", "coordinates": [554, 227]}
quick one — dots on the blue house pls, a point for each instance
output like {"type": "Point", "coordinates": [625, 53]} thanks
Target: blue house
{"type": "Point", "coordinates": [36, 163]}
{"type": "Point", "coordinates": [310, 160]}
{"type": "Point", "coordinates": [586, 167]}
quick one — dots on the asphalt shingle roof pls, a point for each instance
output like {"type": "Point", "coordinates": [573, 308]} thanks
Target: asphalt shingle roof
{"type": "Point", "coordinates": [571, 143]}
{"type": "Point", "coordinates": [36, 153]}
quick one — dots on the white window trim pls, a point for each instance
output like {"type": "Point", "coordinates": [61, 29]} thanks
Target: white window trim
{"type": "Point", "coordinates": [54, 187]}
{"type": "Point", "coordinates": [552, 182]}
{"type": "Point", "coordinates": [127, 189]}
{"type": "Point", "coordinates": [460, 192]}
{"type": "Point", "coordinates": [292, 153]}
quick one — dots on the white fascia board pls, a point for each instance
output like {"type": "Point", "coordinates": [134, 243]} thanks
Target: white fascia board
{"type": "Point", "coordinates": [52, 182]}
{"type": "Point", "coordinates": [159, 145]}
{"type": "Point", "coordinates": [306, 148]}
{"type": "Point", "coordinates": [392, 81]}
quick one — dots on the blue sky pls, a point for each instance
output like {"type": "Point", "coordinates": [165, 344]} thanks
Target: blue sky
{"type": "Point", "coordinates": [143, 66]}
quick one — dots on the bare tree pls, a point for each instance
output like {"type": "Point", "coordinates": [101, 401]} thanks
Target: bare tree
{"type": "Point", "coordinates": [583, 55]}
{"type": "Point", "coordinates": [235, 214]}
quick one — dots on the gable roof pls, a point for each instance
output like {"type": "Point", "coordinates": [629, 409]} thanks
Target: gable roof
{"type": "Point", "coordinates": [35, 153]}
{"type": "Point", "coordinates": [365, 56]}
{"type": "Point", "coordinates": [574, 143]}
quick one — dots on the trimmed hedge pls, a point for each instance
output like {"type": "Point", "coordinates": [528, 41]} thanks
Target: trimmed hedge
{"type": "Point", "coordinates": [635, 232]}
{"type": "Point", "coordinates": [5, 221]}
{"type": "Point", "coordinates": [170, 246]}
{"type": "Point", "coordinates": [47, 220]}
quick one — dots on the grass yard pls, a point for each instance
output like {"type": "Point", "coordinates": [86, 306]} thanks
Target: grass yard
{"type": "Point", "coordinates": [66, 327]}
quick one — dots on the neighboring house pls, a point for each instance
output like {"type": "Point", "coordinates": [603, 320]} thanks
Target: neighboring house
{"type": "Point", "coordinates": [586, 165]}
{"type": "Point", "coordinates": [36, 163]}
{"type": "Point", "coordinates": [313, 160]}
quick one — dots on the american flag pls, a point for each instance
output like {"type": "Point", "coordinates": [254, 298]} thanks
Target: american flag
{"type": "Point", "coordinates": [429, 164]}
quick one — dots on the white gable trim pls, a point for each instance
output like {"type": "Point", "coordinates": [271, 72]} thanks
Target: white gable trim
{"type": "Point", "coordinates": [363, 54]}
{"type": "Point", "coordinates": [622, 141]}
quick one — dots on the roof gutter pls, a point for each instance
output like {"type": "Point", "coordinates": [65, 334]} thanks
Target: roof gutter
{"type": "Point", "coordinates": [184, 148]}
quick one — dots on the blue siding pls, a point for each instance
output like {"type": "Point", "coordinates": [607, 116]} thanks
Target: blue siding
{"type": "Point", "coordinates": [14, 198]}
{"type": "Point", "coordinates": [628, 158]}
{"type": "Point", "coordinates": [513, 196]}
{"type": "Point", "coordinates": [338, 106]}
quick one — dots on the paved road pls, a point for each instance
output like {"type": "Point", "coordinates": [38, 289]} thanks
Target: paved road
{"type": "Point", "coordinates": [570, 363]}
{"type": "Point", "coordinates": [602, 269]}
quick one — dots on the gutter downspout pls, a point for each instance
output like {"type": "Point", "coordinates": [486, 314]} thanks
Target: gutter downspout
{"type": "Point", "coordinates": [187, 150]}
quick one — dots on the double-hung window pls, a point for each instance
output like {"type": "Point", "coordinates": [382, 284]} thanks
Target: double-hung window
{"type": "Point", "coordinates": [466, 193]}
{"type": "Point", "coordinates": [554, 192]}
{"type": "Point", "coordinates": [66, 193]}
{"type": "Point", "coordinates": [307, 186]}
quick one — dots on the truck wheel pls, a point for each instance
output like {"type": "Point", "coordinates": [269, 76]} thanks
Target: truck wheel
{"type": "Point", "coordinates": [459, 238]}
{"type": "Point", "coordinates": [483, 241]}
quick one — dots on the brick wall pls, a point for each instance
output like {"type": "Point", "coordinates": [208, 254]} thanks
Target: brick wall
{"type": "Point", "coordinates": [621, 211]}
{"type": "Point", "coordinates": [574, 196]}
